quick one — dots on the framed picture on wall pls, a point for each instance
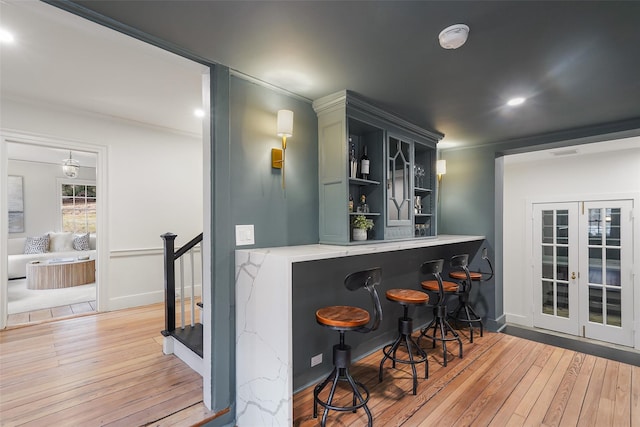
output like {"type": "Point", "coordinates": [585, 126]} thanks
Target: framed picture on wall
{"type": "Point", "coordinates": [16, 205]}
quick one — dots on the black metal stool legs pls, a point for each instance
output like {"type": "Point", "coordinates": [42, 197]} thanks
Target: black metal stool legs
{"type": "Point", "coordinates": [405, 329]}
{"type": "Point", "coordinates": [440, 322]}
{"type": "Point", "coordinates": [469, 315]}
{"type": "Point", "coordinates": [341, 362]}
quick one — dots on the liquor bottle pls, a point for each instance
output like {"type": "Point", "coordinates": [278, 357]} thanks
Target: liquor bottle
{"type": "Point", "coordinates": [364, 207]}
{"type": "Point", "coordinates": [364, 164]}
{"type": "Point", "coordinates": [350, 203]}
{"type": "Point", "coordinates": [353, 162]}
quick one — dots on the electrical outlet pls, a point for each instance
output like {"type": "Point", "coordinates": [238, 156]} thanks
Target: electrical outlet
{"type": "Point", "coordinates": [316, 360]}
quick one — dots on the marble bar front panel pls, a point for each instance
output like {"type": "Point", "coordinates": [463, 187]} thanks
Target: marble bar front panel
{"type": "Point", "coordinates": [264, 348]}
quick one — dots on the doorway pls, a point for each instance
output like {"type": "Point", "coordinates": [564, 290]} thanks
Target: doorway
{"type": "Point", "coordinates": [582, 280]}
{"type": "Point", "coordinates": [37, 161]}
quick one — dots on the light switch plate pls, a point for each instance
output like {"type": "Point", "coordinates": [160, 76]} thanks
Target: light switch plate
{"type": "Point", "coordinates": [244, 235]}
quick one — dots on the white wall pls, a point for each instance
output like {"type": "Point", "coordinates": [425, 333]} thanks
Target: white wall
{"type": "Point", "coordinates": [40, 194]}
{"type": "Point", "coordinates": [154, 186]}
{"type": "Point", "coordinates": [556, 178]}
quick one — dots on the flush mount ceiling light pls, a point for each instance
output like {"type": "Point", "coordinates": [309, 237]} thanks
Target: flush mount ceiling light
{"type": "Point", "coordinates": [454, 36]}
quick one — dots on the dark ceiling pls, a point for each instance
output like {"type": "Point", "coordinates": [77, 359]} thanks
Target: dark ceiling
{"type": "Point", "coordinates": [576, 62]}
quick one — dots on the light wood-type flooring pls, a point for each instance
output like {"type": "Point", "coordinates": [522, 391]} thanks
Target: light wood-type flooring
{"type": "Point", "coordinates": [501, 381]}
{"type": "Point", "coordinates": [106, 369]}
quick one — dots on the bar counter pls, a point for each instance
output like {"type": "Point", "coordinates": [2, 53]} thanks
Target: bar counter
{"type": "Point", "coordinates": [277, 292]}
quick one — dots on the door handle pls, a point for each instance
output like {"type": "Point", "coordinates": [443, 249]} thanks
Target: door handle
{"type": "Point", "coordinates": [573, 275]}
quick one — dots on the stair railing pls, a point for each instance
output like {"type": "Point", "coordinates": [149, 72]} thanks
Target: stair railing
{"type": "Point", "coordinates": [170, 257]}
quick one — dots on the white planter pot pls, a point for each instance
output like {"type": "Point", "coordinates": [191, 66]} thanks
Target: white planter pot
{"type": "Point", "coordinates": [359, 234]}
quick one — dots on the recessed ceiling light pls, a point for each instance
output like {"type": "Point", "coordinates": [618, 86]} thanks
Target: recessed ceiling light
{"type": "Point", "coordinates": [198, 112]}
{"type": "Point", "coordinates": [516, 101]}
{"type": "Point", "coordinates": [5, 36]}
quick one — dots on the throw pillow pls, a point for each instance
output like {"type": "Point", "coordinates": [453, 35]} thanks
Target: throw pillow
{"type": "Point", "coordinates": [60, 242]}
{"type": "Point", "coordinates": [36, 245]}
{"type": "Point", "coordinates": [81, 242]}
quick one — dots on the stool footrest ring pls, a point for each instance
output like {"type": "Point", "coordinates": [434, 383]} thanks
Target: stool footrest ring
{"type": "Point", "coordinates": [360, 393]}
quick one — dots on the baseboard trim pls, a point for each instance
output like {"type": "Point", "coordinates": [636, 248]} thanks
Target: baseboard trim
{"type": "Point", "coordinates": [147, 298]}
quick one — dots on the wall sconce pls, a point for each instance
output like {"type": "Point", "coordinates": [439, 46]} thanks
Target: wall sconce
{"type": "Point", "coordinates": [285, 129]}
{"type": "Point", "coordinates": [441, 169]}
{"type": "Point", "coordinates": [70, 167]}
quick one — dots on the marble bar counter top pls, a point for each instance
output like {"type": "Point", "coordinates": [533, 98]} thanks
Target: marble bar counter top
{"type": "Point", "coordinates": [324, 251]}
{"type": "Point", "coordinates": [264, 356]}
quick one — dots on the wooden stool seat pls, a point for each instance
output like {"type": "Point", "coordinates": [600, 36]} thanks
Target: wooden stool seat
{"type": "Point", "coordinates": [460, 275]}
{"type": "Point", "coordinates": [407, 296]}
{"type": "Point", "coordinates": [432, 285]}
{"type": "Point", "coordinates": [342, 316]}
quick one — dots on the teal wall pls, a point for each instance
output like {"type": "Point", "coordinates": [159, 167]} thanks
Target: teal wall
{"type": "Point", "coordinates": [246, 190]}
{"type": "Point", "coordinates": [467, 206]}
{"type": "Point", "coordinates": [280, 217]}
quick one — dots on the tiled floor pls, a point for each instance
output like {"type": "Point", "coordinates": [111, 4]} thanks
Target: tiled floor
{"type": "Point", "coordinates": [53, 313]}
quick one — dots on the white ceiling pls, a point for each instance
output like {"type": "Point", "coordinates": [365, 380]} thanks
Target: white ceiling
{"type": "Point", "coordinates": [64, 60]}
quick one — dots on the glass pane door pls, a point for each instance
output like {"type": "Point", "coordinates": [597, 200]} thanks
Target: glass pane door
{"type": "Point", "coordinates": [606, 294]}
{"type": "Point", "coordinates": [582, 269]}
{"type": "Point", "coordinates": [555, 267]}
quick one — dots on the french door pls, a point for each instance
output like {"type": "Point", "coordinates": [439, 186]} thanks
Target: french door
{"type": "Point", "coordinates": [582, 275]}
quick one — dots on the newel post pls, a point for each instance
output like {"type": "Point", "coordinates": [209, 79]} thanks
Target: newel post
{"type": "Point", "coordinates": [169, 284]}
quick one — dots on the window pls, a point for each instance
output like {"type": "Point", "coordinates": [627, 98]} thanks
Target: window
{"type": "Point", "coordinates": [78, 205]}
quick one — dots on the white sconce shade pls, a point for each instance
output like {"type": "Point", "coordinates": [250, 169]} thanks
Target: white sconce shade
{"type": "Point", "coordinates": [70, 167]}
{"type": "Point", "coordinates": [285, 123]}
{"type": "Point", "coordinates": [285, 130]}
{"type": "Point", "coordinates": [441, 167]}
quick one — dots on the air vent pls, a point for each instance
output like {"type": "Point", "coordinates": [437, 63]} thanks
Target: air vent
{"type": "Point", "coordinates": [564, 152]}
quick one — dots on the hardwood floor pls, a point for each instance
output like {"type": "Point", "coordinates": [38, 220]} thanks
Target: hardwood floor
{"type": "Point", "coordinates": [108, 369]}
{"type": "Point", "coordinates": [53, 313]}
{"type": "Point", "coordinates": [501, 381]}
{"type": "Point", "coordinates": [102, 370]}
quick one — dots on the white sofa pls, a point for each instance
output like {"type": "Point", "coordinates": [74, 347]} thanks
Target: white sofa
{"type": "Point", "coordinates": [18, 260]}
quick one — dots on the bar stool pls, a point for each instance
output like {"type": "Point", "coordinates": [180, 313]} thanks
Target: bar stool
{"type": "Point", "coordinates": [464, 312]}
{"type": "Point", "coordinates": [406, 297]}
{"type": "Point", "coordinates": [343, 319]}
{"type": "Point", "coordinates": [443, 288]}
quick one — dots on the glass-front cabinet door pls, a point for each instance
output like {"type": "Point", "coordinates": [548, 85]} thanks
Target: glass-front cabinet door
{"type": "Point", "coordinates": [410, 204]}
{"type": "Point", "coordinates": [424, 203]}
{"type": "Point", "coordinates": [399, 200]}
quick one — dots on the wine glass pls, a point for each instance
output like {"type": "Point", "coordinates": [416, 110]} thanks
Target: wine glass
{"type": "Point", "coordinates": [420, 175]}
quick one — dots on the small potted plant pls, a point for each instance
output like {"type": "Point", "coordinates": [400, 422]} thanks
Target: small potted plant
{"type": "Point", "coordinates": [360, 226]}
